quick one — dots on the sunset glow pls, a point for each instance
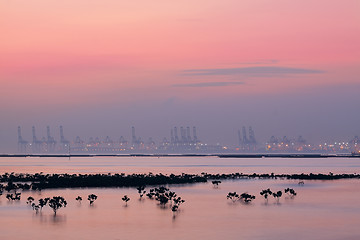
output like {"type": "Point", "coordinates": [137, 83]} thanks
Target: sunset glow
{"type": "Point", "coordinates": [71, 54]}
{"type": "Point", "coordinates": [205, 119]}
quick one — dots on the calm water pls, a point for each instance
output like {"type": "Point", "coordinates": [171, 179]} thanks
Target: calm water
{"type": "Point", "coordinates": [178, 165]}
{"type": "Point", "coordinates": [321, 210]}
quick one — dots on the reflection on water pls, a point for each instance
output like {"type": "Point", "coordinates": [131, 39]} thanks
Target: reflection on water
{"type": "Point", "coordinates": [42, 218]}
{"type": "Point", "coordinates": [321, 209]}
{"type": "Point", "coordinates": [330, 212]}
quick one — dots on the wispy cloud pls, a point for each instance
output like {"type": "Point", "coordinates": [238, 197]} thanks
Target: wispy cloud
{"type": "Point", "coordinates": [259, 71]}
{"type": "Point", "coordinates": [208, 84]}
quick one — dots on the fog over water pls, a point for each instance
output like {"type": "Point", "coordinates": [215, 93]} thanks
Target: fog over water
{"type": "Point", "coordinates": [318, 115]}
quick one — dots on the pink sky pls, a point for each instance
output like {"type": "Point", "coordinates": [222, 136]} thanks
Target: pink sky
{"type": "Point", "coordinates": [81, 52]}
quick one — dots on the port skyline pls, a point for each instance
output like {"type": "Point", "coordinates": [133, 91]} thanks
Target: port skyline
{"type": "Point", "coordinates": [180, 140]}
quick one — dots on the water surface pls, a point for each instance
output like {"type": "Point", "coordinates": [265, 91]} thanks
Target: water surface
{"type": "Point", "coordinates": [321, 210]}
{"type": "Point", "coordinates": [178, 165]}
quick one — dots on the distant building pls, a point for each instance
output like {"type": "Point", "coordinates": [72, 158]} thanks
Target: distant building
{"type": "Point", "coordinates": [355, 145]}
{"type": "Point", "coordinates": [285, 145]}
{"type": "Point", "coordinates": [247, 144]}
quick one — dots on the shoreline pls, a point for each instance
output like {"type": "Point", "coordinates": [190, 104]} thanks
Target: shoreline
{"type": "Point", "coordinates": [219, 155]}
{"type": "Point", "coordinates": [38, 181]}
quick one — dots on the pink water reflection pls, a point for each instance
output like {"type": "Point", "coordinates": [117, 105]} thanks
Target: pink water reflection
{"type": "Point", "coordinates": [321, 210]}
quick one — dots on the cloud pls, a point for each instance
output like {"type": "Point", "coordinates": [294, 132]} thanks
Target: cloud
{"type": "Point", "coordinates": [209, 84]}
{"type": "Point", "coordinates": [260, 71]}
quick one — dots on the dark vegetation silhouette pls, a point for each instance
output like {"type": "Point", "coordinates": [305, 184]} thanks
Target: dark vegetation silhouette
{"type": "Point", "coordinates": [176, 204]}
{"type": "Point", "coordinates": [277, 195]}
{"type": "Point", "coordinates": [56, 203]}
{"type": "Point", "coordinates": [43, 202]}
{"type": "Point", "coordinates": [125, 199]}
{"type": "Point", "coordinates": [266, 193]}
{"type": "Point", "coordinates": [9, 196]}
{"type": "Point", "coordinates": [161, 195]}
{"type": "Point", "coordinates": [178, 201]}
{"type": "Point", "coordinates": [215, 183]}
{"type": "Point", "coordinates": [164, 196]}
{"type": "Point", "coordinates": [92, 198]}
{"type": "Point", "coordinates": [35, 207]}
{"type": "Point", "coordinates": [141, 191]}
{"type": "Point", "coordinates": [163, 200]}
{"type": "Point", "coordinates": [40, 181]}
{"type": "Point", "coordinates": [30, 199]}
{"type": "Point", "coordinates": [13, 196]}
{"type": "Point", "coordinates": [79, 199]}
{"type": "Point", "coordinates": [233, 196]}
{"type": "Point", "coordinates": [150, 194]}
{"type": "Point", "coordinates": [174, 208]}
{"type": "Point", "coordinates": [291, 192]}
{"type": "Point", "coordinates": [247, 198]}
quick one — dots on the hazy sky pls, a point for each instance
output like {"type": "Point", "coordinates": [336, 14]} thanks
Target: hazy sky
{"type": "Point", "coordinates": [99, 67]}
